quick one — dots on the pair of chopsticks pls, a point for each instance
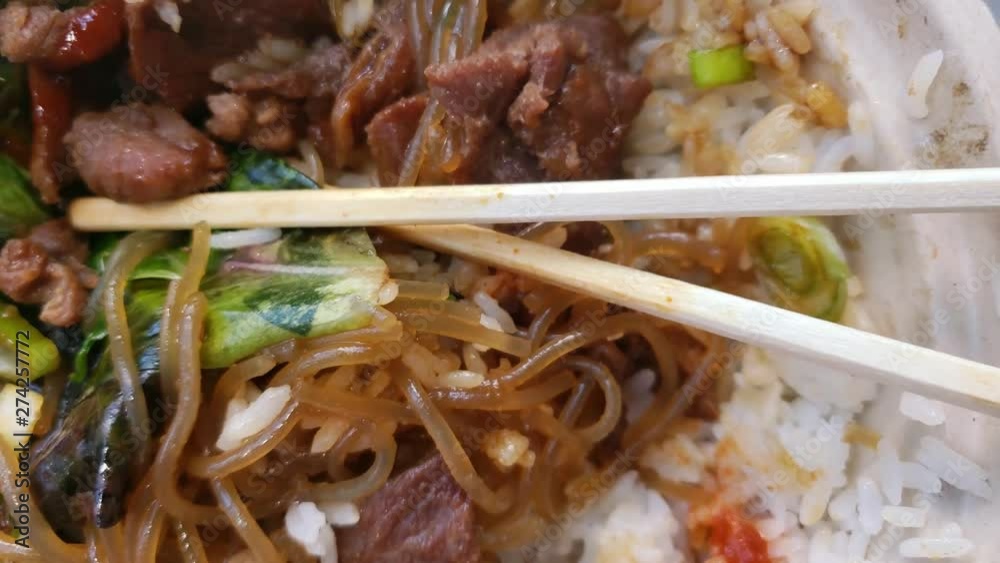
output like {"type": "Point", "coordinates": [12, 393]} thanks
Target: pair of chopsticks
{"type": "Point", "coordinates": [921, 370]}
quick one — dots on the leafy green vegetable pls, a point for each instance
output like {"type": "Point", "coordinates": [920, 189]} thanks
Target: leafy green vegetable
{"type": "Point", "coordinates": [306, 284]}
{"type": "Point", "coordinates": [19, 210]}
{"type": "Point", "coordinates": [164, 265]}
{"type": "Point", "coordinates": [24, 350]}
{"type": "Point", "coordinates": [101, 246]}
{"type": "Point", "coordinates": [330, 288]}
{"type": "Point", "coordinates": [801, 265]}
{"type": "Point", "coordinates": [718, 67]}
{"type": "Point", "coordinates": [257, 171]}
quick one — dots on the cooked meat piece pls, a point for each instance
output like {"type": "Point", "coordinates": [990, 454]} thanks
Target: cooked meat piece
{"type": "Point", "coordinates": [383, 73]}
{"type": "Point", "coordinates": [46, 268]}
{"type": "Point", "coordinates": [271, 110]}
{"type": "Point", "coordinates": [580, 99]}
{"type": "Point", "coordinates": [31, 33]}
{"type": "Point", "coordinates": [542, 101]}
{"type": "Point", "coordinates": [178, 65]}
{"type": "Point", "coordinates": [60, 40]}
{"type": "Point", "coordinates": [502, 160]}
{"type": "Point", "coordinates": [419, 516]}
{"type": "Point", "coordinates": [269, 124]}
{"type": "Point", "coordinates": [389, 135]}
{"type": "Point", "coordinates": [506, 161]}
{"type": "Point", "coordinates": [51, 116]}
{"type": "Point", "coordinates": [319, 74]}
{"type": "Point", "coordinates": [141, 153]}
{"type": "Point", "coordinates": [58, 239]}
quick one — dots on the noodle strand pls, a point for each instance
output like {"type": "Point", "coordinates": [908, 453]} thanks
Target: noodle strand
{"type": "Point", "coordinates": [245, 524]}
{"type": "Point", "coordinates": [450, 448]}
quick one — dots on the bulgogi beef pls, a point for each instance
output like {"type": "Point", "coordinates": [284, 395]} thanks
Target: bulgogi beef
{"type": "Point", "coordinates": [316, 73]}
{"type": "Point", "coordinates": [384, 71]}
{"type": "Point", "coordinates": [272, 108]}
{"type": "Point", "coordinates": [60, 40]}
{"type": "Point", "coordinates": [207, 34]}
{"type": "Point", "coordinates": [389, 135]}
{"type": "Point", "coordinates": [47, 268]}
{"type": "Point", "coordinates": [143, 153]}
{"type": "Point", "coordinates": [560, 89]}
{"type": "Point", "coordinates": [269, 123]}
{"type": "Point", "coordinates": [420, 516]}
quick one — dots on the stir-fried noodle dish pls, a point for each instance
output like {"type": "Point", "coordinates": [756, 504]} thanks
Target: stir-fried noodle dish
{"type": "Point", "coordinates": [342, 395]}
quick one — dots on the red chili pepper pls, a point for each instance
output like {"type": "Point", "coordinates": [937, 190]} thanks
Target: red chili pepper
{"type": "Point", "coordinates": [737, 540]}
{"type": "Point", "coordinates": [93, 32]}
{"type": "Point", "coordinates": [51, 115]}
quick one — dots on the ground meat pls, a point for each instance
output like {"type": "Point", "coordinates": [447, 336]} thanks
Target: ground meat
{"type": "Point", "coordinates": [60, 40]}
{"type": "Point", "coordinates": [178, 65]}
{"type": "Point", "coordinates": [269, 124]}
{"type": "Point", "coordinates": [141, 153]}
{"type": "Point", "coordinates": [384, 72]}
{"type": "Point", "coordinates": [542, 101]}
{"type": "Point", "coordinates": [419, 516]}
{"type": "Point", "coordinates": [319, 74]}
{"type": "Point", "coordinates": [46, 268]}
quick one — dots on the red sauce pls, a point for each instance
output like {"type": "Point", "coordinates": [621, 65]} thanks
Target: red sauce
{"type": "Point", "coordinates": [737, 540]}
{"type": "Point", "coordinates": [93, 32]}
{"type": "Point", "coordinates": [51, 116]}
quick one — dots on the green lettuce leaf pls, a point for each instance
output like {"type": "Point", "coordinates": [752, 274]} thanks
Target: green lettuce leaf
{"type": "Point", "coordinates": [257, 171]}
{"type": "Point", "coordinates": [19, 210]}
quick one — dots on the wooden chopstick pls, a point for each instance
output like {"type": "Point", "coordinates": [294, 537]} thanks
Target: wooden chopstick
{"type": "Point", "coordinates": [907, 191]}
{"type": "Point", "coordinates": [917, 369]}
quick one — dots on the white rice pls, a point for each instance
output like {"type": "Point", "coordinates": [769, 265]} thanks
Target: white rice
{"type": "Point", "coordinates": [889, 472]}
{"type": "Point", "coordinates": [628, 523]}
{"type": "Point", "coordinates": [843, 507]}
{"type": "Point", "coordinates": [308, 527]}
{"type": "Point", "coordinates": [916, 476]}
{"type": "Point", "coordinates": [462, 379]}
{"type": "Point", "coordinates": [341, 514]}
{"type": "Point", "coordinates": [401, 263]}
{"type": "Point", "coordinates": [638, 393]}
{"type": "Point", "coordinates": [869, 505]}
{"type": "Point", "coordinates": [678, 459]}
{"type": "Point", "coordinates": [242, 422]}
{"type": "Point", "coordinates": [508, 448]}
{"type": "Point", "coordinates": [919, 85]}
{"type": "Point", "coordinates": [491, 308]}
{"type": "Point", "coordinates": [328, 434]}
{"type": "Point", "coordinates": [904, 516]}
{"type": "Point", "coordinates": [923, 410]}
{"type": "Point", "coordinates": [935, 548]}
{"type": "Point", "coordinates": [953, 468]}
{"type": "Point", "coordinates": [388, 292]}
